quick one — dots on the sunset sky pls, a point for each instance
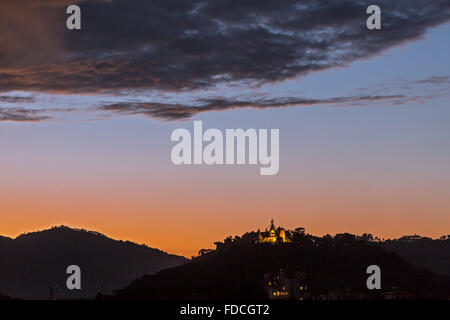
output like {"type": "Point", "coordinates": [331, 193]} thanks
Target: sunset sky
{"type": "Point", "coordinates": [86, 118]}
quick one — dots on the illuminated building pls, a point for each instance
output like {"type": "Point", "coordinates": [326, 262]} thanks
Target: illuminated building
{"type": "Point", "coordinates": [279, 286]}
{"type": "Point", "coordinates": [274, 235]}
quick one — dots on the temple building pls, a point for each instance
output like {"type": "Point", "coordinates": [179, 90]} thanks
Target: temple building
{"type": "Point", "coordinates": [274, 235]}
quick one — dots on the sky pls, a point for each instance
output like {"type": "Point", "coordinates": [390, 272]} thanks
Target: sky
{"type": "Point", "coordinates": [86, 118]}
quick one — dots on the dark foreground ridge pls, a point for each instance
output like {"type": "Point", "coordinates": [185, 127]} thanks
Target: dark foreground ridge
{"type": "Point", "coordinates": [33, 266]}
{"type": "Point", "coordinates": [290, 265]}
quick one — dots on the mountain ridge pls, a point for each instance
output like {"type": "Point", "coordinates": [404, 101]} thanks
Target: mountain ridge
{"type": "Point", "coordinates": [332, 268]}
{"type": "Point", "coordinates": [34, 263]}
{"type": "Point", "coordinates": [63, 228]}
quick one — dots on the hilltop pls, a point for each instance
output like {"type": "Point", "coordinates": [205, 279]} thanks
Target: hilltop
{"type": "Point", "coordinates": [33, 265]}
{"type": "Point", "coordinates": [326, 267]}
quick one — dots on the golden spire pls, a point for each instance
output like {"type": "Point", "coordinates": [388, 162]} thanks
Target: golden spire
{"type": "Point", "coordinates": [272, 226]}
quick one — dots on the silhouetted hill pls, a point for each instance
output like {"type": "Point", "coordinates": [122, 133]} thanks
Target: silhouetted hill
{"type": "Point", "coordinates": [423, 252]}
{"type": "Point", "coordinates": [5, 241]}
{"type": "Point", "coordinates": [34, 264]}
{"type": "Point", "coordinates": [236, 269]}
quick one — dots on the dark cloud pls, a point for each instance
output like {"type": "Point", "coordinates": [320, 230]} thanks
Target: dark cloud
{"type": "Point", "coordinates": [435, 80]}
{"type": "Point", "coordinates": [166, 107]}
{"type": "Point", "coordinates": [21, 115]}
{"type": "Point", "coordinates": [16, 99]}
{"type": "Point", "coordinates": [168, 111]}
{"type": "Point", "coordinates": [177, 44]}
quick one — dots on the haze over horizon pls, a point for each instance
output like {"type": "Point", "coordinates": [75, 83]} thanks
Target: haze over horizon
{"type": "Point", "coordinates": [187, 254]}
